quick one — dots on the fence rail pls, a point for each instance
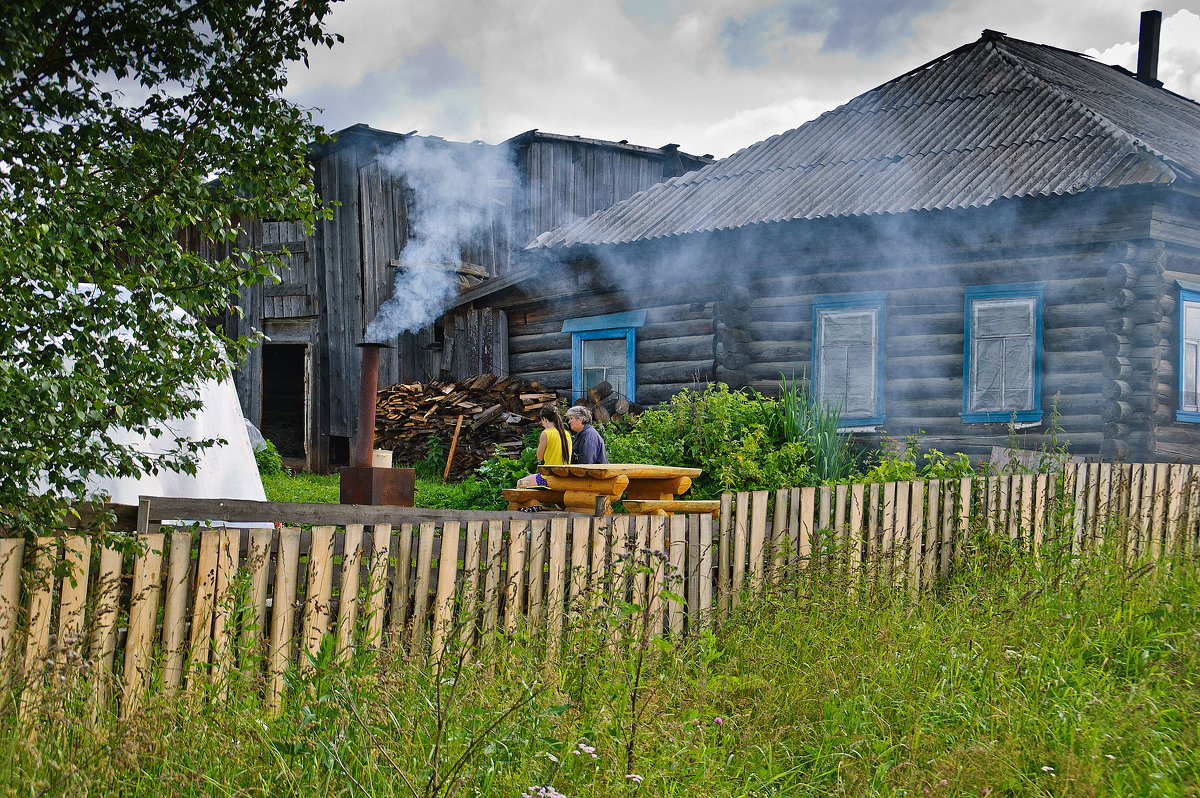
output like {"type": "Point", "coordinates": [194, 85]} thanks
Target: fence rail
{"type": "Point", "coordinates": [201, 602]}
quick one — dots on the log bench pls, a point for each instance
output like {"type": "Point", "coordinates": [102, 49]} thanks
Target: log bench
{"type": "Point", "coordinates": [667, 507]}
{"type": "Point", "coordinates": [521, 498]}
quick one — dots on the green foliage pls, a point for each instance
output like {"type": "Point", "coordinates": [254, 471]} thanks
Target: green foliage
{"type": "Point", "coordinates": [297, 486]}
{"type": "Point", "coordinates": [1018, 677]}
{"type": "Point", "coordinates": [814, 424]}
{"type": "Point", "coordinates": [125, 123]}
{"type": "Point", "coordinates": [732, 436]}
{"type": "Point", "coordinates": [471, 493]}
{"type": "Point", "coordinates": [893, 463]}
{"type": "Point", "coordinates": [433, 464]}
{"type": "Point", "coordinates": [268, 459]}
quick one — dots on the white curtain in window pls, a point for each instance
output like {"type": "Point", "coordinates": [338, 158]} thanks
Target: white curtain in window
{"type": "Point", "coordinates": [1191, 357]}
{"type": "Point", "coordinates": [1002, 375]}
{"type": "Point", "coordinates": [846, 359]}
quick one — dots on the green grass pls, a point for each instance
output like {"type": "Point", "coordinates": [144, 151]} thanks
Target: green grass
{"type": "Point", "coordinates": [301, 487]}
{"type": "Point", "coordinates": [1015, 679]}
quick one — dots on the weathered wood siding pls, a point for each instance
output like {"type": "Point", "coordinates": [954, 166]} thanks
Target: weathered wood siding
{"type": "Point", "coordinates": [1176, 228]}
{"type": "Point", "coordinates": [740, 306]}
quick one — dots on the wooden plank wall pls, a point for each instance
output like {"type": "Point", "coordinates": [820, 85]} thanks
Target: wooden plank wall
{"type": "Point", "coordinates": [214, 608]}
{"type": "Point", "coordinates": [1159, 345]}
{"type": "Point", "coordinates": [674, 349]}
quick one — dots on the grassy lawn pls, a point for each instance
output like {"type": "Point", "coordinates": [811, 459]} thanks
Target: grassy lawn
{"type": "Point", "coordinates": [301, 487]}
{"type": "Point", "coordinates": [1015, 679]}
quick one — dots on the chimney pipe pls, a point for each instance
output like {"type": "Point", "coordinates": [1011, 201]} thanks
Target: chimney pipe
{"type": "Point", "coordinates": [1147, 63]}
{"type": "Point", "coordinates": [368, 388]}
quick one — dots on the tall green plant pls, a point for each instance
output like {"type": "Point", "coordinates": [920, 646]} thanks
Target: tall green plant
{"type": "Point", "coordinates": [815, 424]}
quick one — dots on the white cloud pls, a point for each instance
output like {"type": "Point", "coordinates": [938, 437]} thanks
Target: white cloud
{"type": "Point", "coordinates": [653, 71]}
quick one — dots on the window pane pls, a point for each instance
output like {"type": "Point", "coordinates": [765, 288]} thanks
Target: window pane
{"type": "Point", "coordinates": [604, 352]}
{"type": "Point", "coordinates": [1191, 321]}
{"type": "Point", "coordinates": [1003, 317]}
{"type": "Point", "coordinates": [1191, 375]}
{"type": "Point", "coordinates": [847, 360]}
{"type": "Point", "coordinates": [847, 327]}
{"type": "Point", "coordinates": [988, 361]}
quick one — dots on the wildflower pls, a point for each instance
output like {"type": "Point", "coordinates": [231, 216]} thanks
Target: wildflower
{"type": "Point", "coordinates": [944, 783]}
{"type": "Point", "coordinates": [1110, 756]}
{"type": "Point", "coordinates": [987, 790]}
{"type": "Point", "coordinates": [635, 778]}
{"type": "Point", "coordinates": [542, 792]}
{"type": "Point", "coordinates": [717, 720]}
{"type": "Point", "coordinates": [1047, 769]}
{"type": "Point", "coordinates": [583, 748]}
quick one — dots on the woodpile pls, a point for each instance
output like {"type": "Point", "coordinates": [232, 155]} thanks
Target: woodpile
{"type": "Point", "coordinates": [605, 404]}
{"type": "Point", "coordinates": [494, 412]}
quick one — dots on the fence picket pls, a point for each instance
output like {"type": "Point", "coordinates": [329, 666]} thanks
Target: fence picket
{"type": "Point", "coordinates": [823, 541]}
{"type": "Point", "coordinates": [347, 617]}
{"type": "Point", "coordinates": [283, 613]}
{"type": "Point", "coordinates": [1158, 509]}
{"type": "Point", "coordinates": [758, 535]}
{"type": "Point", "coordinates": [77, 559]}
{"type": "Point", "coordinates": [804, 546]}
{"type": "Point", "coordinates": [932, 516]}
{"type": "Point", "coordinates": [258, 556]}
{"type": "Point", "coordinates": [556, 586]}
{"type": "Point", "coordinates": [228, 552]}
{"type": "Point", "coordinates": [1178, 477]}
{"type": "Point", "coordinates": [881, 530]}
{"type": "Point", "coordinates": [473, 567]}
{"type": "Point", "coordinates": [900, 535]}
{"type": "Point", "coordinates": [706, 569]}
{"type": "Point", "coordinates": [443, 603]}
{"type": "Point", "coordinates": [401, 586]}
{"type": "Point", "coordinates": [779, 536]}
{"type": "Point", "coordinates": [692, 558]}
{"type": "Point", "coordinates": [143, 615]}
{"type": "Point", "coordinates": [1081, 494]}
{"type": "Point", "coordinates": [638, 556]}
{"type": "Point", "coordinates": [179, 562]}
{"type": "Point", "coordinates": [916, 536]}
{"type": "Point", "coordinates": [724, 555]}
{"type": "Point", "coordinates": [741, 534]}
{"type": "Point", "coordinates": [1103, 500]}
{"type": "Point", "coordinates": [657, 576]}
{"type": "Point", "coordinates": [675, 577]}
{"type": "Point", "coordinates": [491, 584]}
{"type": "Point", "coordinates": [602, 531]}
{"type": "Point", "coordinates": [202, 609]}
{"type": "Point", "coordinates": [377, 579]}
{"type": "Point", "coordinates": [317, 594]}
{"type": "Point", "coordinates": [841, 546]}
{"type": "Point", "coordinates": [538, 542]}
{"type": "Point", "coordinates": [1039, 512]}
{"type": "Point", "coordinates": [855, 528]}
{"type": "Point", "coordinates": [416, 623]}
{"type": "Point", "coordinates": [581, 534]}
{"type": "Point", "coordinates": [514, 585]}
{"type": "Point", "coordinates": [794, 556]}
{"type": "Point", "coordinates": [40, 604]}
{"type": "Point", "coordinates": [12, 562]}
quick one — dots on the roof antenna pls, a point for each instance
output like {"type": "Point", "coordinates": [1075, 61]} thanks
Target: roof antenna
{"type": "Point", "coordinates": [1147, 63]}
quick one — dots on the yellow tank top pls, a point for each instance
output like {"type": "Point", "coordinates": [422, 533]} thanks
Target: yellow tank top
{"type": "Point", "coordinates": [554, 453]}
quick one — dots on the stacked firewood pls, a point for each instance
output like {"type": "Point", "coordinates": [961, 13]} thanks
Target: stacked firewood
{"type": "Point", "coordinates": [485, 412]}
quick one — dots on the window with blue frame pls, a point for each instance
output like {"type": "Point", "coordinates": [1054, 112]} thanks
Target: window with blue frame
{"type": "Point", "coordinates": [1002, 357]}
{"type": "Point", "coordinates": [848, 356]}
{"type": "Point", "coordinates": [602, 350]}
{"type": "Point", "coordinates": [1189, 352]}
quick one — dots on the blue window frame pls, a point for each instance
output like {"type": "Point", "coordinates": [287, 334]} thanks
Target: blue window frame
{"type": "Point", "coordinates": [603, 350]}
{"type": "Point", "coordinates": [1002, 353]}
{"type": "Point", "coordinates": [847, 355]}
{"type": "Point", "coordinates": [1189, 353]}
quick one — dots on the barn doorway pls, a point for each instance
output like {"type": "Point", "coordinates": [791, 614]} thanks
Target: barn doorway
{"type": "Point", "coordinates": [285, 407]}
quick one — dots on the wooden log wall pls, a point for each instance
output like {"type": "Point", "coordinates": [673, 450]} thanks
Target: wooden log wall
{"type": "Point", "coordinates": [1178, 258]}
{"type": "Point", "coordinates": [218, 608]}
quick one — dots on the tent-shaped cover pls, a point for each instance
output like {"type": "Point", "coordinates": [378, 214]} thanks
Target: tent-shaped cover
{"type": "Point", "coordinates": [226, 470]}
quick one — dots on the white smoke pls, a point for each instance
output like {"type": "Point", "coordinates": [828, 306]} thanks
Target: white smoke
{"type": "Point", "coordinates": [452, 186]}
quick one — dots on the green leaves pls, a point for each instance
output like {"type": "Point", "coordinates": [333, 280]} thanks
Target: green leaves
{"type": "Point", "coordinates": [137, 141]}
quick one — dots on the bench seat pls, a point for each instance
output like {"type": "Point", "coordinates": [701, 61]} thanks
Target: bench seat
{"type": "Point", "coordinates": [519, 498]}
{"type": "Point", "coordinates": [667, 507]}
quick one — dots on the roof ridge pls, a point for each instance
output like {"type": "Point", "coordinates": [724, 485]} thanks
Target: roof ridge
{"type": "Point", "coordinates": [1072, 99]}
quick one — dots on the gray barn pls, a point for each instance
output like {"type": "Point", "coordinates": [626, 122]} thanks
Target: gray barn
{"type": "Point", "coordinates": [1007, 227]}
{"type": "Point", "coordinates": [300, 385]}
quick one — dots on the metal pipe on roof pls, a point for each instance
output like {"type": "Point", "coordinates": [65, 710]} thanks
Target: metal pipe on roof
{"type": "Point", "coordinates": [1147, 63]}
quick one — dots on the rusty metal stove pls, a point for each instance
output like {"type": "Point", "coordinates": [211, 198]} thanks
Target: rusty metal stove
{"type": "Point", "coordinates": [363, 483]}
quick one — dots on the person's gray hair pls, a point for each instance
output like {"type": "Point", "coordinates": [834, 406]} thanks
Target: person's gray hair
{"type": "Point", "coordinates": [581, 413]}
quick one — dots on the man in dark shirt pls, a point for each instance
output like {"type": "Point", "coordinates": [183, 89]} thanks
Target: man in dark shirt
{"type": "Point", "coordinates": [588, 446]}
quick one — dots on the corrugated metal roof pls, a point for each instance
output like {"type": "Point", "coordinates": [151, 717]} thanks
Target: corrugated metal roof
{"type": "Point", "coordinates": [997, 118]}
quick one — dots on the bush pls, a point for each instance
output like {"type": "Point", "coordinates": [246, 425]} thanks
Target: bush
{"type": "Point", "coordinates": [733, 436]}
{"type": "Point", "coordinates": [268, 459]}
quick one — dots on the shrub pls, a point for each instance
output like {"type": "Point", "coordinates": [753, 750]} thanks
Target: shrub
{"type": "Point", "coordinates": [268, 459]}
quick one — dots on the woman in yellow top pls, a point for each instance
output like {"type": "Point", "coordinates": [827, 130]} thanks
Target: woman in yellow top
{"type": "Point", "coordinates": [554, 447]}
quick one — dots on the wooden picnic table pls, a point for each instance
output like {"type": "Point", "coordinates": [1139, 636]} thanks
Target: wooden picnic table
{"type": "Point", "coordinates": [583, 485]}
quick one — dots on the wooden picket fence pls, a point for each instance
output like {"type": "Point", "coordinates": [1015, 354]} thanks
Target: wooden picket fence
{"type": "Point", "coordinates": [202, 603]}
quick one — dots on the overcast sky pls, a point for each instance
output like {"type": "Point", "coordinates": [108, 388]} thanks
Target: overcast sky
{"type": "Point", "coordinates": [712, 76]}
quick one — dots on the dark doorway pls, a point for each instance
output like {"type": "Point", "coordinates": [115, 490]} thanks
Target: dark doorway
{"type": "Point", "coordinates": [284, 397]}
